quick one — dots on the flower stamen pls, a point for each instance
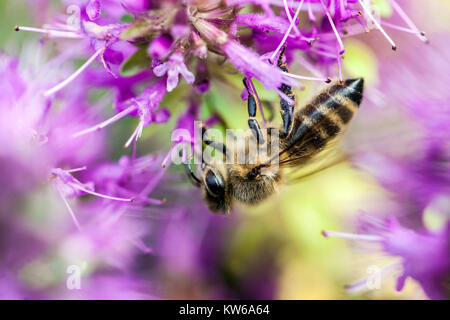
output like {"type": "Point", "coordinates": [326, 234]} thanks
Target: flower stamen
{"type": "Point", "coordinates": [51, 32]}
{"type": "Point", "coordinates": [367, 11]}
{"type": "Point", "coordinates": [74, 75]}
{"type": "Point", "coordinates": [352, 236]}
{"type": "Point", "coordinates": [106, 123]}
{"type": "Point", "coordinates": [286, 35]}
{"type": "Point", "coordinates": [338, 37]}
{"type": "Point", "coordinates": [100, 195]}
{"type": "Point", "coordinates": [288, 13]}
{"type": "Point", "coordinates": [72, 214]}
{"type": "Point", "coordinates": [295, 76]}
{"type": "Point", "coordinates": [136, 134]}
{"type": "Point", "coordinates": [408, 21]}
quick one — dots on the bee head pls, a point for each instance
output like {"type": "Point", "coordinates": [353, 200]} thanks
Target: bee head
{"type": "Point", "coordinates": [214, 189]}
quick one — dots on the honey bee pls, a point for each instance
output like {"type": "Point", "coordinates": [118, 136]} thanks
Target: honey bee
{"type": "Point", "coordinates": [305, 134]}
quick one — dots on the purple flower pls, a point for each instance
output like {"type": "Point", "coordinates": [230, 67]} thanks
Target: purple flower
{"type": "Point", "coordinates": [263, 23]}
{"type": "Point", "coordinates": [68, 187]}
{"type": "Point", "coordinates": [101, 38]}
{"type": "Point", "coordinates": [131, 178]}
{"type": "Point", "coordinates": [160, 47]}
{"type": "Point", "coordinates": [414, 183]}
{"type": "Point", "coordinates": [143, 106]}
{"type": "Point", "coordinates": [93, 9]}
{"type": "Point", "coordinates": [173, 68]}
{"type": "Point", "coordinates": [32, 128]}
{"type": "Point", "coordinates": [424, 254]}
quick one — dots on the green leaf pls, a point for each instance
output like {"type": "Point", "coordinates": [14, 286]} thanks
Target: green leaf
{"type": "Point", "coordinates": [135, 64]}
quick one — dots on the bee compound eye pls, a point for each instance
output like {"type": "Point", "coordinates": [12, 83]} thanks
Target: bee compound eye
{"type": "Point", "coordinates": [214, 183]}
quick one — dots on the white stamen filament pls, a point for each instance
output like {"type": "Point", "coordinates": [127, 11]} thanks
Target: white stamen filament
{"type": "Point", "coordinates": [51, 33]}
{"type": "Point", "coordinates": [136, 134]}
{"type": "Point", "coordinates": [303, 77]}
{"type": "Point", "coordinates": [72, 214]}
{"type": "Point", "coordinates": [74, 75]}
{"type": "Point", "coordinates": [286, 35]}
{"type": "Point", "coordinates": [352, 236]}
{"type": "Point", "coordinates": [311, 16]}
{"type": "Point", "coordinates": [367, 11]}
{"type": "Point", "coordinates": [330, 19]}
{"type": "Point", "coordinates": [76, 186]}
{"type": "Point", "coordinates": [341, 7]}
{"type": "Point", "coordinates": [113, 119]}
{"type": "Point", "coordinates": [408, 21]}
{"type": "Point", "coordinates": [396, 27]}
{"type": "Point", "coordinates": [288, 13]}
{"type": "Point", "coordinates": [169, 154]}
{"type": "Point", "coordinates": [76, 169]}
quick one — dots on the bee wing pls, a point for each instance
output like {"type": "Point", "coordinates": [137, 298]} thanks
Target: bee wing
{"type": "Point", "coordinates": [307, 163]}
{"type": "Point", "coordinates": [302, 152]}
{"type": "Point", "coordinates": [321, 161]}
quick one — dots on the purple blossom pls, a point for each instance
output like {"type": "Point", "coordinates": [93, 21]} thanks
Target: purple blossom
{"type": "Point", "coordinates": [173, 68]}
{"type": "Point", "coordinates": [93, 9]}
{"type": "Point", "coordinates": [413, 183]}
{"type": "Point", "coordinates": [263, 23]}
{"type": "Point", "coordinates": [160, 47]}
{"type": "Point", "coordinates": [424, 254]}
{"type": "Point", "coordinates": [143, 106]}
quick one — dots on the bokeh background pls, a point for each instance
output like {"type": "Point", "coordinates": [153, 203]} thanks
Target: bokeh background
{"type": "Point", "coordinates": [179, 249]}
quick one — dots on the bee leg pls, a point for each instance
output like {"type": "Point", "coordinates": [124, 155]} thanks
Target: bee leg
{"type": "Point", "coordinates": [287, 110]}
{"type": "Point", "coordinates": [219, 146]}
{"type": "Point", "coordinates": [252, 106]}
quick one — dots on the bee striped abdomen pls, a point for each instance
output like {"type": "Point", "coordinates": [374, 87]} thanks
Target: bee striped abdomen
{"type": "Point", "coordinates": [325, 117]}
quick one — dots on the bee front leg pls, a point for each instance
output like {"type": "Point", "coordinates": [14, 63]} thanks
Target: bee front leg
{"type": "Point", "coordinates": [219, 146]}
{"type": "Point", "coordinates": [252, 106]}
{"type": "Point", "coordinates": [287, 110]}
